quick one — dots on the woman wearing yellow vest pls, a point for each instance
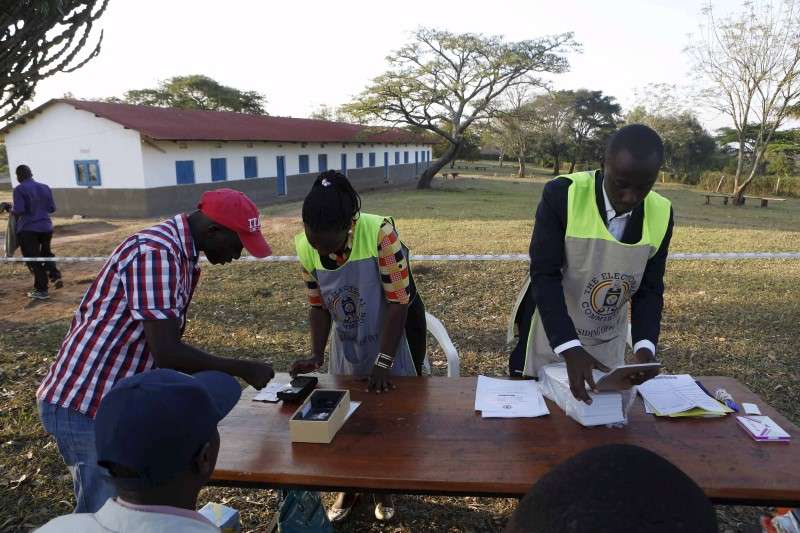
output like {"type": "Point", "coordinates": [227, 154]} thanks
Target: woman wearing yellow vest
{"type": "Point", "coordinates": [360, 285]}
{"type": "Point", "coordinates": [600, 243]}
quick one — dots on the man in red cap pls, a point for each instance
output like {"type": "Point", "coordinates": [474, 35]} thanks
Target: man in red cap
{"type": "Point", "coordinates": [131, 320]}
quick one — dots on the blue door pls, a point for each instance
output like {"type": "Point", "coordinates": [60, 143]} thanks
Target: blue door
{"type": "Point", "coordinates": [219, 169]}
{"type": "Point", "coordinates": [372, 159]}
{"type": "Point", "coordinates": [405, 157]}
{"type": "Point", "coordinates": [359, 160]}
{"type": "Point", "coordinates": [250, 166]}
{"type": "Point", "coordinates": [386, 165]}
{"type": "Point", "coordinates": [416, 161]}
{"type": "Point", "coordinates": [303, 162]}
{"type": "Point", "coordinates": [281, 182]}
{"type": "Point", "coordinates": [184, 172]}
{"type": "Point", "coordinates": [322, 162]}
{"type": "Point", "coordinates": [397, 158]}
{"type": "Point", "coordinates": [344, 164]}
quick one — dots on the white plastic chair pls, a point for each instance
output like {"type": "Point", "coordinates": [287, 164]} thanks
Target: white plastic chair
{"type": "Point", "coordinates": [437, 329]}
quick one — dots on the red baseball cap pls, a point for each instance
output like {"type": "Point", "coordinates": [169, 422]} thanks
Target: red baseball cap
{"type": "Point", "coordinates": [234, 210]}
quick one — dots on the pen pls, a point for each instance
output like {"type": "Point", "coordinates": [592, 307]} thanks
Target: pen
{"type": "Point", "coordinates": [724, 396]}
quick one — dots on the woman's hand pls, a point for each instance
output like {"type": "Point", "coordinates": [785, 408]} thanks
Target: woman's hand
{"type": "Point", "coordinates": [379, 380]}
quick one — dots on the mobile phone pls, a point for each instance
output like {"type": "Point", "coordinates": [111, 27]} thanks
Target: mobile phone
{"type": "Point", "coordinates": [300, 388]}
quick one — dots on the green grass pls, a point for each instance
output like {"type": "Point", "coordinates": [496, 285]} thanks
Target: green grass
{"type": "Point", "coordinates": [729, 318]}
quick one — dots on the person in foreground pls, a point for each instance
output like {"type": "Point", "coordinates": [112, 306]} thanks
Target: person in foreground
{"type": "Point", "coordinates": [131, 320]}
{"type": "Point", "coordinates": [156, 434]}
{"type": "Point", "coordinates": [600, 241]}
{"type": "Point", "coordinates": [614, 488]}
{"type": "Point", "coordinates": [359, 282]}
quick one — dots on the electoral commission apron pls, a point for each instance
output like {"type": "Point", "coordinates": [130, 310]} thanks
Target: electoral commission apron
{"type": "Point", "coordinates": [353, 295]}
{"type": "Point", "coordinates": [600, 274]}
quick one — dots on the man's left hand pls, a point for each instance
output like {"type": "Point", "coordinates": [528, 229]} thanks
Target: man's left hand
{"type": "Point", "coordinates": [379, 380]}
{"type": "Point", "coordinates": [642, 356]}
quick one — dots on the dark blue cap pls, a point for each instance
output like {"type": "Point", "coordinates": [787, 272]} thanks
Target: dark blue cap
{"type": "Point", "coordinates": [156, 422]}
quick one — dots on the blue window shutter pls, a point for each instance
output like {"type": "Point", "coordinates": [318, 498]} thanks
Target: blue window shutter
{"type": "Point", "coordinates": [87, 173]}
{"type": "Point", "coordinates": [303, 164]}
{"type": "Point", "coordinates": [219, 169]}
{"type": "Point", "coordinates": [184, 172]}
{"type": "Point", "coordinates": [405, 157]}
{"type": "Point", "coordinates": [322, 162]}
{"type": "Point", "coordinates": [280, 182]}
{"type": "Point", "coordinates": [359, 160]}
{"type": "Point", "coordinates": [250, 166]}
{"type": "Point", "coordinates": [372, 159]}
{"type": "Point", "coordinates": [344, 164]}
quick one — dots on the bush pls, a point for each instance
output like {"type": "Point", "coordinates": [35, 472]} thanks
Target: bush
{"type": "Point", "coordinates": [760, 186]}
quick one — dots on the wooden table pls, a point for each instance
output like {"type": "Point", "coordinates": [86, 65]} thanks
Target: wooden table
{"type": "Point", "coordinates": [425, 438]}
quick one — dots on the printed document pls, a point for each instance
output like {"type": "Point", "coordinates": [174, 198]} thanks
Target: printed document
{"type": "Point", "coordinates": [506, 398]}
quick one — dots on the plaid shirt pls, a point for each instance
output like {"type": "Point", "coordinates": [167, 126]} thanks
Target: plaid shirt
{"type": "Point", "coordinates": [150, 276]}
{"type": "Point", "coordinates": [392, 263]}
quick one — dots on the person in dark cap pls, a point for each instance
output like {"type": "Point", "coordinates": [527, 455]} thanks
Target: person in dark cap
{"type": "Point", "coordinates": [614, 488]}
{"type": "Point", "coordinates": [156, 434]}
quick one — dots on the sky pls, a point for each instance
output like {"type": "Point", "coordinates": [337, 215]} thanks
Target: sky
{"type": "Point", "coordinates": [302, 54]}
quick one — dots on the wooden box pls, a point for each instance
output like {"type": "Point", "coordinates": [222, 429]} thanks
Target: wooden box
{"type": "Point", "coordinates": [320, 416]}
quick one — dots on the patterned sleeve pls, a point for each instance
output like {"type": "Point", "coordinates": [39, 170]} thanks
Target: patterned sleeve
{"type": "Point", "coordinates": [393, 265]}
{"type": "Point", "coordinates": [151, 283]}
{"type": "Point", "coordinates": [314, 295]}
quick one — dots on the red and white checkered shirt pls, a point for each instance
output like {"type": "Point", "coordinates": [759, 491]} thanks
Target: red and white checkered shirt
{"type": "Point", "coordinates": [150, 276]}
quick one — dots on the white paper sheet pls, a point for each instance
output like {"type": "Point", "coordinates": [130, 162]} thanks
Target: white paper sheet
{"type": "Point", "coordinates": [505, 398]}
{"type": "Point", "coordinates": [270, 392]}
{"type": "Point", "coordinates": [670, 394]}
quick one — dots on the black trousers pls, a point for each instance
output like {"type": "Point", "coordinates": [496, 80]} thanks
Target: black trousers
{"type": "Point", "coordinates": [37, 244]}
{"type": "Point", "coordinates": [516, 360]}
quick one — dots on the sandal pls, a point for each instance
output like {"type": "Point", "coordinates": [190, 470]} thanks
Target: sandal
{"type": "Point", "coordinates": [338, 514]}
{"type": "Point", "coordinates": [384, 511]}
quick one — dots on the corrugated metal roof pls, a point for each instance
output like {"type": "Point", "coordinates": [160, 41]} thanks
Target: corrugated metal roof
{"type": "Point", "coordinates": [173, 124]}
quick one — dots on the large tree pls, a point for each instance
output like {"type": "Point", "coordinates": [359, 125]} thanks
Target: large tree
{"type": "Point", "coordinates": [198, 92]}
{"type": "Point", "coordinates": [688, 147]}
{"type": "Point", "coordinates": [554, 113]}
{"type": "Point", "coordinates": [443, 82]}
{"type": "Point", "coordinates": [593, 117]}
{"type": "Point", "coordinates": [750, 63]}
{"type": "Point", "coordinates": [514, 125]}
{"type": "Point", "coordinates": [39, 38]}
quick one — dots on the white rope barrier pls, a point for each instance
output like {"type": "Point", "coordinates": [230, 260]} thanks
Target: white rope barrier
{"type": "Point", "coordinates": [681, 256]}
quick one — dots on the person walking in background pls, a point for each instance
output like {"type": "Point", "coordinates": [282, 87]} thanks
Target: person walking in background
{"type": "Point", "coordinates": [33, 204]}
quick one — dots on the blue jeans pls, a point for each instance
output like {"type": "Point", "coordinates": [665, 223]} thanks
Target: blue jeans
{"type": "Point", "coordinates": [74, 434]}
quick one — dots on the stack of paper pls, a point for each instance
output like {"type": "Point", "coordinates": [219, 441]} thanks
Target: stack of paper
{"type": "Point", "coordinates": [605, 409]}
{"type": "Point", "coordinates": [679, 396]}
{"type": "Point", "coordinates": [505, 398]}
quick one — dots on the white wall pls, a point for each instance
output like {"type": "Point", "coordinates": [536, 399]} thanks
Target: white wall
{"type": "Point", "coordinates": [50, 142]}
{"type": "Point", "coordinates": [159, 165]}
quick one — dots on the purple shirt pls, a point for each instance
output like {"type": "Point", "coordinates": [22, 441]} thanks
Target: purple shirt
{"type": "Point", "coordinates": [33, 203]}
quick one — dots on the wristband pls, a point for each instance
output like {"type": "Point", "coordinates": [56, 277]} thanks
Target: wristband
{"type": "Point", "coordinates": [384, 361]}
